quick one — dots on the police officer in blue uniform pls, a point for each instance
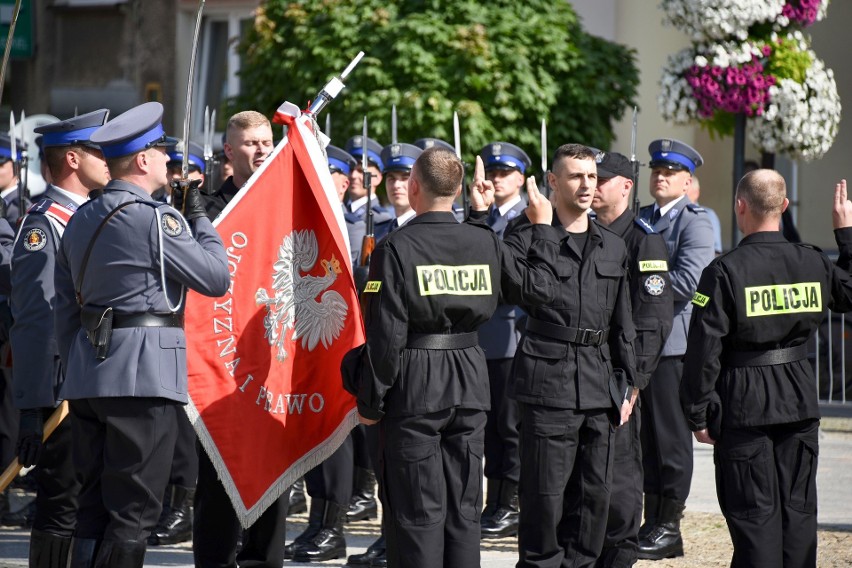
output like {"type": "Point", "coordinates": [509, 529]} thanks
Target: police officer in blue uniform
{"type": "Point", "coordinates": [9, 209]}
{"type": "Point", "coordinates": [122, 271]}
{"type": "Point", "coordinates": [76, 167]}
{"type": "Point", "coordinates": [505, 166]}
{"type": "Point", "coordinates": [10, 186]}
{"type": "Point", "coordinates": [363, 504]}
{"type": "Point", "coordinates": [175, 524]}
{"type": "Point", "coordinates": [652, 307]}
{"type": "Point", "coordinates": [356, 203]}
{"type": "Point", "coordinates": [666, 443]}
{"type": "Point", "coordinates": [748, 387]}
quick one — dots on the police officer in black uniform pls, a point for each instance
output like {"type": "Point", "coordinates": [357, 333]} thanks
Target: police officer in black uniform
{"type": "Point", "coordinates": [398, 159]}
{"type": "Point", "coordinates": [573, 376]}
{"type": "Point", "coordinates": [505, 166]}
{"type": "Point", "coordinates": [422, 372]}
{"type": "Point", "coordinates": [651, 301]}
{"type": "Point", "coordinates": [121, 272]}
{"type": "Point", "coordinates": [748, 386]}
{"type": "Point", "coordinates": [76, 167]}
{"type": "Point", "coordinates": [216, 529]}
{"type": "Point", "coordinates": [666, 444]}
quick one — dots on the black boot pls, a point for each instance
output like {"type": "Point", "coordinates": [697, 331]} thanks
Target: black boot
{"type": "Point", "coordinates": [49, 550]}
{"type": "Point", "coordinates": [298, 503]}
{"type": "Point", "coordinates": [363, 504]}
{"type": "Point", "coordinates": [329, 542]}
{"type": "Point", "coordinates": [664, 540]}
{"type": "Point", "coordinates": [504, 521]}
{"type": "Point", "coordinates": [314, 526]}
{"type": "Point", "coordinates": [83, 552]}
{"type": "Point", "coordinates": [491, 495]}
{"type": "Point", "coordinates": [376, 551]}
{"type": "Point", "coordinates": [176, 525]}
{"type": "Point", "coordinates": [121, 554]}
{"type": "Point", "coordinates": [652, 507]}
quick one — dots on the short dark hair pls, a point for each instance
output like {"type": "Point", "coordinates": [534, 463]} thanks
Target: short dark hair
{"type": "Point", "coordinates": [438, 171]}
{"type": "Point", "coordinates": [764, 191]}
{"type": "Point", "coordinates": [54, 157]}
{"type": "Point", "coordinates": [576, 151]}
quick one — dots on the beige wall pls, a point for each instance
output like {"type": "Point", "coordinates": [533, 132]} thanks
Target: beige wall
{"type": "Point", "coordinates": [637, 23]}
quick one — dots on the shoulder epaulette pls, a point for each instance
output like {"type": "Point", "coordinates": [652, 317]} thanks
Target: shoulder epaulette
{"type": "Point", "coordinates": [51, 209]}
{"type": "Point", "coordinates": [644, 225]}
{"type": "Point", "coordinates": [695, 208]}
{"type": "Point", "coordinates": [40, 206]}
{"type": "Point", "coordinates": [808, 245]}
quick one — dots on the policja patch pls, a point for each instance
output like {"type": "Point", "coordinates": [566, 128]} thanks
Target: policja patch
{"type": "Point", "coordinates": [655, 284]}
{"type": "Point", "coordinates": [34, 240]}
{"type": "Point", "coordinates": [171, 225]}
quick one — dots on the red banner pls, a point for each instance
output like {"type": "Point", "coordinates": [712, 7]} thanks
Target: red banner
{"type": "Point", "coordinates": [266, 396]}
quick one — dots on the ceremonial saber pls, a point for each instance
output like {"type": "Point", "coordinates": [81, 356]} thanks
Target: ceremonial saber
{"type": "Point", "coordinates": [8, 50]}
{"type": "Point", "coordinates": [184, 168]}
{"type": "Point", "coordinates": [14, 468]}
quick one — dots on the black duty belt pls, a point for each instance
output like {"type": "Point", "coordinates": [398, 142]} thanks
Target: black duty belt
{"type": "Point", "coordinates": [147, 319]}
{"type": "Point", "coordinates": [770, 357]}
{"type": "Point", "coordinates": [568, 334]}
{"type": "Point", "coordinates": [443, 340]}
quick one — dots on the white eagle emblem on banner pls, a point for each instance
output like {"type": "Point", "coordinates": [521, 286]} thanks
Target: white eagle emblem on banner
{"type": "Point", "coordinates": [302, 302]}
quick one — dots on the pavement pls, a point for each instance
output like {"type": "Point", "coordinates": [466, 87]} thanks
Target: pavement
{"type": "Point", "coordinates": [834, 483]}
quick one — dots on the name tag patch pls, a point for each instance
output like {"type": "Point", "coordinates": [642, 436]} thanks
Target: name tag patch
{"type": "Point", "coordinates": [653, 266]}
{"type": "Point", "coordinates": [779, 299]}
{"type": "Point", "coordinates": [700, 299]}
{"type": "Point", "coordinates": [373, 286]}
{"type": "Point", "coordinates": [466, 280]}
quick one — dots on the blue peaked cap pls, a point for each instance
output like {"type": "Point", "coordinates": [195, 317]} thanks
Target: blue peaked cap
{"type": "Point", "coordinates": [355, 146]}
{"type": "Point", "coordinates": [196, 154]}
{"type": "Point", "coordinates": [339, 160]}
{"type": "Point", "coordinates": [505, 156]}
{"type": "Point", "coordinates": [674, 154]}
{"type": "Point", "coordinates": [137, 129]}
{"type": "Point", "coordinates": [72, 131]}
{"type": "Point", "coordinates": [6, 146]}
{"type": "Point", "coordinates": [399, 157]}
{"type": "Point", "coordinates": [426, 143]}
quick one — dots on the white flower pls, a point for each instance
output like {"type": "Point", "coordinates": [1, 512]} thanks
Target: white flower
{"type": "Point", "coordinates": [802, 119]}
{"type": "Point", "coordinates": [719, 19]}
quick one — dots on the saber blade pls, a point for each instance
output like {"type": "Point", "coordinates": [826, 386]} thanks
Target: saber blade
{"type": "Point", "coordinates": [184, 169]}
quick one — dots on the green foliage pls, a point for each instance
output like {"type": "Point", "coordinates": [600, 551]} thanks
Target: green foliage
{"type": "Point", "coordinates": [503, 65]}
{"type": "Point", "coordinates": [788, 61]}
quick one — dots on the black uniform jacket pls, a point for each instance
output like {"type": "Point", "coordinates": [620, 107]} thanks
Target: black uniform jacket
{"type": "Point", "coordinates": [593, 294]}
{"type": "Point", "coordinates": [213, 204]}
{"type": "Point", "coordinates": [435, 275]}
{"type": "Point", "coordinates": [651, 294]}
{"type": "Point", "coordinates": [765, 294]}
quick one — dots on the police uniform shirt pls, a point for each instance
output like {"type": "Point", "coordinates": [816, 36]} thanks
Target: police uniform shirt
{"type": "Point", "coordinates": [650, 290]}
{"type": "Point", "coordinates": [688, 234]}
{"type": "Point", "coordinates": [37, 377]}
{"type": "Point", "coordinates": [765, 294]}
{"type": "Point", "coordinates": [422, 282]}
{"type": "Point", "coordinates": [592, 294]}
{"type": "Point", "coordinates": [124, 272]}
